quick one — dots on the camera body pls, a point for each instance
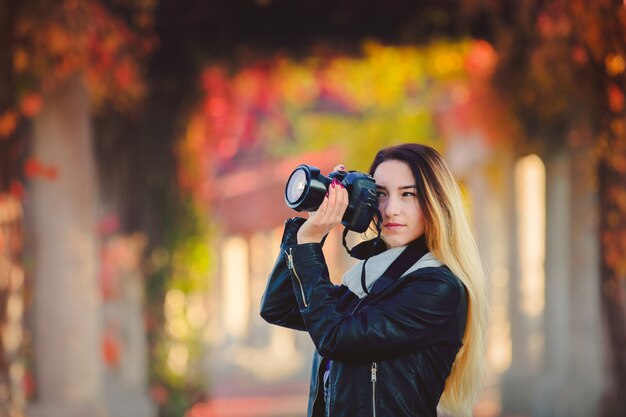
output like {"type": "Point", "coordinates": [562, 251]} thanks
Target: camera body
{"type": "Point", "coordinates": [306, 188]}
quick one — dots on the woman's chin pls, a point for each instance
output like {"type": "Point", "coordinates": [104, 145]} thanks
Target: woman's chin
{"type": "Point", "coordinates": [395, 241]}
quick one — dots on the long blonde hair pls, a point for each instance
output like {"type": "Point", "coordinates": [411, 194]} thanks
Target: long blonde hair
{"type": "Point", "coordinates": [450, 238]}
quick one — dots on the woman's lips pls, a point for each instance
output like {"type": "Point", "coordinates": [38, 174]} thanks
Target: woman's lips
{"type": "Point", "coordinates": [393, 226]}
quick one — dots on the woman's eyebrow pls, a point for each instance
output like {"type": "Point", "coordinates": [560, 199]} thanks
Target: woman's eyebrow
{"type": "Point", "coordinates": [404, 187]}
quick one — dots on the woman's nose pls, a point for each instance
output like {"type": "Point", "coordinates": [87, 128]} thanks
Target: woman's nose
{"type": "Point", "coordinates": [391, 207]}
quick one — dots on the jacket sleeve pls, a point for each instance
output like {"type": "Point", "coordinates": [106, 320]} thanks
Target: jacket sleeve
{"type": "Point", "coordinates": [418, 314]}
{"type": "Point", "coordinates": [278, 304]}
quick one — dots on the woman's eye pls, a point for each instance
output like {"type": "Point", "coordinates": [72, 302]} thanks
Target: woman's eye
{"type": "Point", "coordinates": [380, 194]}
{"type": "Point", "coordinates": [408, 194]}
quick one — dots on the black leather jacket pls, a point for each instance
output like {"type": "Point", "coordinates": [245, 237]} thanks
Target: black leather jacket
{"type": "Point", "coordinates": [390, 352]}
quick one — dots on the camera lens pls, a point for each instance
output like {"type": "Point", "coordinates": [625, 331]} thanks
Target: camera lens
{"type": "Point", "coordinates": [296, 185]}
{"type": "Point", "coordinates": [305, 188]}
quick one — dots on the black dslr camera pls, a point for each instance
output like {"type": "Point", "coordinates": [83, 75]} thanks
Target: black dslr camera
{"type": "Point", "coordinates": [306, 189]}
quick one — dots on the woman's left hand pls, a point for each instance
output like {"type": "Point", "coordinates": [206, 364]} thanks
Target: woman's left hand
{"type": "Point", "coordinates": [327, 216]}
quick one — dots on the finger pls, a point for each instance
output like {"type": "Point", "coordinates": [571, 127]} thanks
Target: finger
{"type": "Point", "coordinates": [330, 198]}
{"type": "Point", "coordinates": [335, 203]}
{"type": "Point", "coordinates": [340, 167]}
{"type": "Point", "coordinates": [345, 198]}
{"type": "Point", "coordinates": [323, 208]}
{"type": "Point", "coordinates": [342, 201]}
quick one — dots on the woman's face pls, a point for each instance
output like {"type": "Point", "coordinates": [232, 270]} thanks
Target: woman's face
{"type": "Point", "coordinates": [403, 221]}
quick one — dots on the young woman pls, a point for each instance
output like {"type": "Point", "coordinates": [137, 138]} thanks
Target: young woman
{"type": "Point", "coordinates": [389, 347]}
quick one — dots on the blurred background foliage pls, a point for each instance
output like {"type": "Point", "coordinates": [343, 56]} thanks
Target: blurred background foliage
{"type": "Point", "coordinates": [279, 106]}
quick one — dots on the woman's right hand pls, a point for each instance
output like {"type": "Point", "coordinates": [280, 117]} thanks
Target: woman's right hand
{"type": "Point", "coordinates": [327, 216]}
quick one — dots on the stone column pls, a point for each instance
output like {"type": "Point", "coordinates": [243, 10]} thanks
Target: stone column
{"type": "Point", "coordinates": [585, 375]}
{"type": "Point", "coordinates": [572, 375]}
{"type": "Point", "coordinates": [490, 187]}
{"type": "Point", "coordinates": [66, 312]}
{"type": "Point", "coordinates": [552, 384]}
{"type": "Point", "coordinates": [518, 378]}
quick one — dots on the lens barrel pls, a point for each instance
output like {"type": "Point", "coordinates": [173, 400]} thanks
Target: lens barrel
{"type": "Point", "coordinates": [306, 188]}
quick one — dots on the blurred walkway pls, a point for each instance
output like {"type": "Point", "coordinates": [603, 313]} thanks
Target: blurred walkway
{"type": "Point", "coordinates": [294, 405]}
{"type": "Point", "coordinates": [257, 406]}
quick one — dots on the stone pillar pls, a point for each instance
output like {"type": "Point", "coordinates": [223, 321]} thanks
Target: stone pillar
{"type": "Point", "coordinates": [518, 378]}
{"type": "Point", "coordinates": [66, 312]}
{"type": "Point", "coordinates": [552, 385]}
{"type": "Point", "coordinates": [572, 375]}
{"type": "Point", "coordinates": [585, 376]}
{"type": "Point", "coordinates": [490, 186]}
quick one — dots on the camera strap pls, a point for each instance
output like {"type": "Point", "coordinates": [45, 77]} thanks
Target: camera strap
{"type": "Point", "coordinates": [370, 247]}
{"type": "Point", "coordinates": [405, 260]}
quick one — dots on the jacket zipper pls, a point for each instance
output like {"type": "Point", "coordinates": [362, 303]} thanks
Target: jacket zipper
{"type": "Point", "coordinates": [374, 379]}
{"type": "Point", "coordinates": [317, 388]}
{"type": "Point", "coordinates": [291, 268]}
